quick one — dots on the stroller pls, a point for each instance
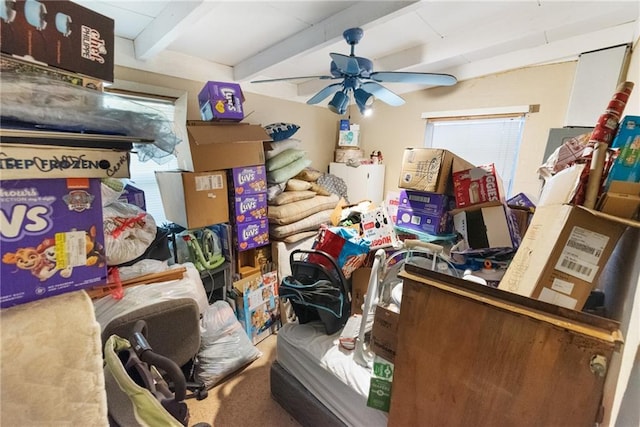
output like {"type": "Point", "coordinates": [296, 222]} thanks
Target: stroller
{"type": "Point", "coordinates": [317, 289]}
{"type": "Point", "coordinates": [137, 392]}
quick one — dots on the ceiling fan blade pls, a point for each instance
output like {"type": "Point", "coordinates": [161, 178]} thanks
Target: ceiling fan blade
{"type": "Point", "coordinates": [293, 78]}
{"type": "Point", "coordinates": [346, 64]}
{"type": "Point", "coordinates": [324, 93]}
{"type": "Point", "coordinates": [383, 94]}
{"type": "Point", "coordinates": [416, 78]}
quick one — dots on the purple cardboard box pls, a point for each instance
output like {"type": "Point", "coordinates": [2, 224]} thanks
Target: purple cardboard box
{"type": "Point", "coordinates": [221, 101]}
{"type": "Point", "coordinates": [134, 196]}
{"type": "Point", "coordinates": [422, 221]}
{"type": "Point", "coordinates": [248, 180]}
{"type": "Point", "coordinates": [51, 238]}
{"type": "Point", "coordinates": [251, 235]}
{"type": "Point", "coordinates": [250, 207]}
{"type": "Point", "coordinates": [425, 202]}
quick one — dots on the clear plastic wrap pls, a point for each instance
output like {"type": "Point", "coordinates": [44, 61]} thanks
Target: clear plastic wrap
{"type": "Point", "coordinates": [190, 286]}
{"type": "Point", "coordinates": [57, 105]}
{"type": "Point", "coordinates": [224, 346]}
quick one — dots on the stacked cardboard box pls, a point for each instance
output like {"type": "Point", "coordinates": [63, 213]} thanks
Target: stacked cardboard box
{"type": "Point", "coordinates": [248, 192]}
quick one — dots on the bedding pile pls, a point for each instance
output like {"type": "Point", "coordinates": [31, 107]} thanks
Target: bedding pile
{"type": "Point", "coordinates": [298, 201]}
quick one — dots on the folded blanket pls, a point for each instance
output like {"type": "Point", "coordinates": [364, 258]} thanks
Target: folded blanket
{"type": "Point", "coordinates": [312, 222]}
{"type": "Point", "coordinates": [292, 212]}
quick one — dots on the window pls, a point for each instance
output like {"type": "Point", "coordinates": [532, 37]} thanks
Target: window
{"type": "Point", "coordinates": [143, 173]}
{"type": "Point", "coordinates": [480, 138]}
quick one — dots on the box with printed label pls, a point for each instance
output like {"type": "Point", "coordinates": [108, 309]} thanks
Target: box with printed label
{"type": "Point", "coordinates": [249, 207]}
{"type": "Point", "coordinates": [27, 161]}
{"type": "Point", "coordinates": [423, 201]}
{"type": "Point", "coordinates": [477, 185]}
{"type": "Point", "coordinates": [51, 239]}
{"type": "Point", "coordinates": [194, 199]}
{"type": "Point", "coordinates": [430, 169]}
{"type": "Point", "coordinates": [257, 306]}
{"type": "Point", "coordinates": [627, 165]}
{"type": "Point", "coordinates": [490, 225]}
{"type": "Point", "coordinates": [562, 255]}
{"type": "Point", "coordinates": [9, 64]}
{"type": "Point", "coordinates": [134, 196]}
{"type": "Point", "coordinates": [249, 235]}
{"type": "Point", "coordinates": [61, 34]}
{"type": "Point", "coordinates": [422, 222]}
{"type": "Point", "coordinates": [216, 146]}
{"type": "Point", "coordinates": [248, 180]}
{"type": "Point", "coordinates": [349, 138]}
{"type": "Point", "coordinates": [378, 228]}
{"type": "Point", "coordinates": [385, 331]}
{"type": "Point", "coordinates": [221, 101]}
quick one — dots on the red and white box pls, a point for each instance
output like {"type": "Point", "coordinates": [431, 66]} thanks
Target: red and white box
{"type": "Point", "coordinates": [477, 185]}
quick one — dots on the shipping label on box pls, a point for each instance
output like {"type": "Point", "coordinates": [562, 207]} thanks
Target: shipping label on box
{"type": "Point", "coordinates": [378, 228]}
{"type": "Point", "coordinates": [221, 101]}
{"type": "Point", "coordinates": [27, 161]}
{"type": "Point", "coordinates": [257, 306]}
{"type": "Point", "coordinates": [51, 238]}
{"type": "Point", "coordinates": [248, 180]}
{"type": "Point", "coordinates": [562, 255]}
{"type": "Point", "coordinates": [477, 185]}
{"type": "Point", "coordinates": [250, 208]}
{"type": "Point", "coordinates": [251, 235]}
{"type": "Point", "coordinates": [62, 34]}
{"type": "Point", "coordinates": [422, 222]}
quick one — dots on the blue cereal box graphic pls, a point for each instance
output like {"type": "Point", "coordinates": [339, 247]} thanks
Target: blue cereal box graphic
{"type": "Point", "coordinates": [252, 234]}
{"type": "Point", "coordinates": [250, 207]}
{"type": "Point", "coordinates": [248, 180]}
{"type": "Point", "coordinates": [51, 238]}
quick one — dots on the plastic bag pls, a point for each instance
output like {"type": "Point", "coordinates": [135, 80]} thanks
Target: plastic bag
{"type": "Point", "coordinates": [128, 232]}
{"type": "Point", "coordinates": [344, 245]}
{"type": "Point", "coordinates": [224, 345]}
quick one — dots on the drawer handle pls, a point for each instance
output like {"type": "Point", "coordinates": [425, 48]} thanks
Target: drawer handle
{"type": "Point", "coordinates": [598, 365]}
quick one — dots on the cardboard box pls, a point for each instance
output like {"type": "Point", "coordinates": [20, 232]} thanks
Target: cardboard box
{"type": "Point", "coordinates": [385, 332]}
{"type": "Point", "coordinates": [627, 164]}
{"type": "Point", "coordinates": [359, 285]}
{"type": "Point", "coordinates": [257, 306]}
{"type": "Point", "coordinates": [477, 185]}
{"type": "Point", "coordinates": [378, 228]}
{"type": "Point", "coordinates": [216, 146]}
{"type": "Point", "coordinates": [562, 255]}
{"type": "Point", "coordinates": [430, 169]}
{"type": "Point", "coordinates": [29, 161]}
{"type": "Point", "coordinates": [621, 200]}
{"type": "Point", "coordinates": [51, 239]}
{"type": "Point", "coordinates": [134, 196]}
{"type": "Point", "coordinates": [221, 101]}
{"type": "Point", "coordinates": [422, 201]}
{"type": "Point", "coordinates": [249, 235]}
{"type": "Point", "coordinates": [487, 226]}
{"type": "Point", "coordinates": [422, 222]}
{"type": "Point", "coordinates": [9, 64]}
{"type": "Point", "coordinates": [194, 199]}
{"type": "Point", "coordinates": [61, 34]}
{"type": "Point", "coordinates": [249, 208]}
{"type": "Point", "coordinates": [248, 180]}
{"type": "Point", "coordinates": [349, 138]}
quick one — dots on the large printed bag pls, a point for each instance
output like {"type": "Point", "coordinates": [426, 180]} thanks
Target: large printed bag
{"type": "Point", "coordinates": [344, 245]}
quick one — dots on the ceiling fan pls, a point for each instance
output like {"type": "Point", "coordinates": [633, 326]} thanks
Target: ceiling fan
{"type": "Point", "coordinates": [358, 77]}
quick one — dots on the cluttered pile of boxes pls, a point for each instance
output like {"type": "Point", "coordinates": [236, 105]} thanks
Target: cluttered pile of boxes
{"type": "Point", "coordinates": [221, 185]}
{"type": "Point", "coordinates": [52, 235]}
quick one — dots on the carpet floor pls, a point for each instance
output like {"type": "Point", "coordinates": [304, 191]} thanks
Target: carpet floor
{"type": "Point", "coordinates": [245, 398]}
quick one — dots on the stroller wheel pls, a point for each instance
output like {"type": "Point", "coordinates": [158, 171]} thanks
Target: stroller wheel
{"type": "Point", "coordinates": [201, 395]}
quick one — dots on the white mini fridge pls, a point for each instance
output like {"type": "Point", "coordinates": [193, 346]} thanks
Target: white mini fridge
{"type": "Point", "coordinates": [364, 182]}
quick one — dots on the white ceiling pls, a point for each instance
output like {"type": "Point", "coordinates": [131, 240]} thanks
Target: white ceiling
{"type": "Point", "coordinates": [247, 40]}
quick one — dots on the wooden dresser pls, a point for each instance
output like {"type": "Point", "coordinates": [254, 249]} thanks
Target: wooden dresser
{"type": "Point", "coordinates": [469, 355]}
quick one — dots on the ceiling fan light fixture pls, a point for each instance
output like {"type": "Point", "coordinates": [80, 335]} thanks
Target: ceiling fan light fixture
{"type": "Point", "coordinates": [364, 100]}
{"type": "Point", "coordinates": [339, 103]}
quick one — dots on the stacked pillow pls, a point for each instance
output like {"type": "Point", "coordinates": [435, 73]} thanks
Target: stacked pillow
{"type": "Point", "coordinates": [285, 159]}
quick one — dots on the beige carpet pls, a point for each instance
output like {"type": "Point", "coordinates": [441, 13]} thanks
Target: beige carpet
{"type": "Point", "coordinates": [245, 398]}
